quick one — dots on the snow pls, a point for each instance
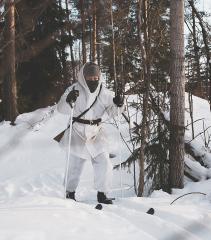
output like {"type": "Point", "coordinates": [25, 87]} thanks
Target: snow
{"type": "Point", "coordinates": [199, 171]}
{"type": "Point", "coordinates": [31, 188]}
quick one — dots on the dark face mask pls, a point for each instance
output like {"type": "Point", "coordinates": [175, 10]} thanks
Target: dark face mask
{"type": "Point", "coordinates": [92, 85]}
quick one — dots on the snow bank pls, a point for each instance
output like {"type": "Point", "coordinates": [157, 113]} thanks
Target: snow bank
{"type": "Point", "coordinates": [31, 188]}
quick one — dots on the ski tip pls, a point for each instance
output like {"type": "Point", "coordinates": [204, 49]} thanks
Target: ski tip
{"type": "Point", "coordinates": [99, 206]}
{"type": "Point", "coordinates": [151, 211]}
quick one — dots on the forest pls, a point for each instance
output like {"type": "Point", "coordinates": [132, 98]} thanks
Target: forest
{"type": "Point", "coordinates": [156, 49]}
{"type": "Point", "coordinates": [152, 65]}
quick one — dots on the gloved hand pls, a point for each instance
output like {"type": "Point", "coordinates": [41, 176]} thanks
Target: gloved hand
{"type": "Point", "coordinates": [119, 99]}
{"type": "Point", "coordinates": [72, 96]}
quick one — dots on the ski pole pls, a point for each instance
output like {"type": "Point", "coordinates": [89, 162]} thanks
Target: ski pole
{"type": "Point", "coordinates": [120, 153]}
{"type": "Point", "coordinates": [68, 153]}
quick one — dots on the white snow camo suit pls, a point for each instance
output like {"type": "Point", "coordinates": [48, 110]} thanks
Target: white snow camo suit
{"type": "Point", "coordinates": [88, 141]}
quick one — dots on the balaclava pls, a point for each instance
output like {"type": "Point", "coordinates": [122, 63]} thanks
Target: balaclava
{"type": "Point", "coordinates": [91, 70]}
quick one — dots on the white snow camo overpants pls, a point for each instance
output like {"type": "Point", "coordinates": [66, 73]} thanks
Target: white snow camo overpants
{"type": "Point", "coordinates": [102, 172]}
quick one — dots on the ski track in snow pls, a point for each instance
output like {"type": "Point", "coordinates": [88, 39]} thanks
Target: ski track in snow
{"type": "Point", "coordinates": [56, 218]}
{"type": "Point", "coordinates": [176, 225]}
{"type": "Point", "coordinates": [76, 220]}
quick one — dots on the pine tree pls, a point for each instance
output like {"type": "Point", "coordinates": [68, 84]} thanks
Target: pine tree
{"type": "Point", "coordinates": [9, 82]}
{"type": "Point", "coordinates": [177, 97]}
{"type": "Point", "coordinates": [42, 77]}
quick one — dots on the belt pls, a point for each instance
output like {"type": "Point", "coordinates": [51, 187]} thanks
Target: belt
{"type": "Point", "coordinates": [85, 121]}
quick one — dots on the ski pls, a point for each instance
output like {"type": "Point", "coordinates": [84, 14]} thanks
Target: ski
{"type": "Point", "coordinates": [99, 206]}
{"type": "Point", "coordinates": [151, 211]}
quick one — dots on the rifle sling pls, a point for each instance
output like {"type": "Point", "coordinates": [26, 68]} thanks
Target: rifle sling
{"type": "Point", "coordinates": [60, 135]}
{"type": "Point", "coordinates": [84, 112]}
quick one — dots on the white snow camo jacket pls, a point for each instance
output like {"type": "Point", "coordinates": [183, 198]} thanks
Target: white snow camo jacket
{"type": "Point", "coordinates": [88, 140]}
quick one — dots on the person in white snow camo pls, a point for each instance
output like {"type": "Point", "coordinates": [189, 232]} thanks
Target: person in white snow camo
{"type": "Point", "coordinates": [88, 140]}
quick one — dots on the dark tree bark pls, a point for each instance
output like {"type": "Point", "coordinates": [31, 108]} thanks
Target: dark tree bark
{"type": "Point", "coordinates": [90, 37]}
{"type": "Point", "coordinates": [177, 94]}
{"type": "Point", "coordinates": [63, 52]}
{"type": "Point", "coordinates": [10, 109]}
{"type": "Point", "coordinates": [196, 54]}
{"type": "Point", "coordinates": [71, 47]}
{"type": "Point", "coordinates": [113, 46]}
{"type": "Point", "coordinates": [98, 39]}
{"type": "Point", "coordinates": [94, 32]}
{"type": "Point", "coordinates": [83, 21]}
{"type": "Point", "coordinates": [145, 55]}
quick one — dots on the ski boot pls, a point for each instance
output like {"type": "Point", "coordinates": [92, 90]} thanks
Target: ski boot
{"type": "Point", "coordinates": [101, 198]}
{"type": "Point", "coordinates": [70, 195]}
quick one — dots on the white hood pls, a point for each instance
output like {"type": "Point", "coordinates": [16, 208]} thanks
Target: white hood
{"type": "Point", "coordinates": [83, 83]}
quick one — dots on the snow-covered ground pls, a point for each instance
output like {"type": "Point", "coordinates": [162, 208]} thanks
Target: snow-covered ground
{"type": "Point", "coordinates": [31, 190]}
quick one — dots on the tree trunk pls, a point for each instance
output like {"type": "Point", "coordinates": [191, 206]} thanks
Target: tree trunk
{"type": "Point", "coordinates": [145, 55]}
{"type": "Point", "coordinates": [90, 38]}
{"type": "Point", "coordinates": [94, 29]}
{"type": "Point", "coordinates": [62, 50]}
{"type": "Point", "coordinates": [177, 94]}
{"type": "Point", "coordinates": [83, 30]}
{"type": "Point", "coordinates": [9, 84]}
{"type": "Point", "coordinates": [98, 39]}
{"type": "Point", "coordinates": [113, 46]}
{"type": "Point", "coordinates": [196, 66]}
{"type": "Point", "coordinates": [71, 47]}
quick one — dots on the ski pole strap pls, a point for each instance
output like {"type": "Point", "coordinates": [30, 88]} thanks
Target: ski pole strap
{"type": "Point", "coordinates": [85, 121]}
